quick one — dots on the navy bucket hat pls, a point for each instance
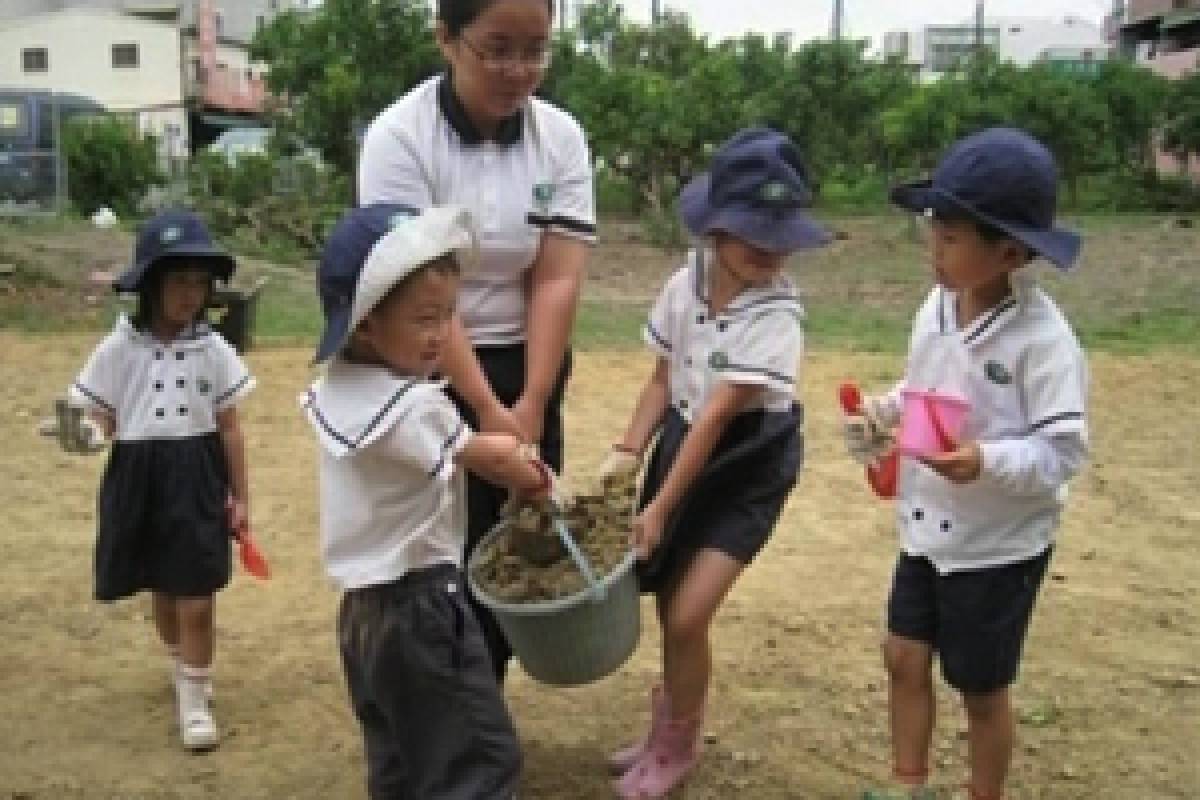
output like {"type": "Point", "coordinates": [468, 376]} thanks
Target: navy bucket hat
{"type": "Point", "coordinates": [169, 236]}
{"type": "Point", "coordinates": [1004, 178]}
{"type": "Point", "coordinates": [756, 190]}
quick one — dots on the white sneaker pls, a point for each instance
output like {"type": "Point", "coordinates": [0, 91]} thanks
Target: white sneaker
{"type": "Point", "coordinates": [197, 728]}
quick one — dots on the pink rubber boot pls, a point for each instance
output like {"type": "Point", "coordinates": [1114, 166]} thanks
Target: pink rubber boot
{"type": "Point", "coordinates": [622, 760]}
{"type": "Point", "coordinates": [668, 760]}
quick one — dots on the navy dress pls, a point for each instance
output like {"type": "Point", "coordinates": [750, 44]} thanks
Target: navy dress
{"type": "Point", "coordinates": [734, 503]}
{"type": "Point", "coordinates": [162, 521]}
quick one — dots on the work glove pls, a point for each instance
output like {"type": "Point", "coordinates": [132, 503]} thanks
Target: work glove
{"type": "Point", "coordinates": [866, 434]}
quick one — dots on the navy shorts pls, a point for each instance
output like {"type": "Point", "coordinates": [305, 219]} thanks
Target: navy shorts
{"type": "Point", "coordinates": [975, 619]}
{"type": "Point", "coordinates": [435, 726]}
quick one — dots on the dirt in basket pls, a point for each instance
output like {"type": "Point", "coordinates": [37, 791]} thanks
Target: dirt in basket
{"type": "Point", "coordinates": [527, 562]}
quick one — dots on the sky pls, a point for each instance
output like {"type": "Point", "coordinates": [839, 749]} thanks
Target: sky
{"type": "Point", "coordinates": [864, 18]}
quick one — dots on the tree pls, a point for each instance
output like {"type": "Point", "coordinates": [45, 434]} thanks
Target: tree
{"type": "Point", "coordinates": [109, 163]}
{"type": "Point", "coordinates": [1136, 101]}
{"type": "Point", "coordinates": [338, 66]}
{"type": "Point", "coordinates": [1181, 135]}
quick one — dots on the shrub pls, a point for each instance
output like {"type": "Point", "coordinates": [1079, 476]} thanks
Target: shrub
{"type": "Point", "coordinates": [109, 163]}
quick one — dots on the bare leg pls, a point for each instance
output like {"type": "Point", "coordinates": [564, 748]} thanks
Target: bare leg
{"type": "Point", "coordinates": [689, 611]}
{"type": "Point", "coordinates": [990, 734]}
{"type": "Point", "coordinates": [166, 621]}
{"type": "Point", "coordinates": [911, 706]}
{"type": "Point", "coordinates": [195, 630]}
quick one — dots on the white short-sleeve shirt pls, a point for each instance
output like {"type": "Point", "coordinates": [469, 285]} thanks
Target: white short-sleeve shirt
{"type": "Point", "coordinates": [756, 340]}
{"type": "Point", "coordinates": [1025, 376]}
{"type": "Point", "coordinates": [392, 499]}
{"type": "Point", "coordinates": [534, 177]}
{"type": "Point", "coordinates": [161, 390]}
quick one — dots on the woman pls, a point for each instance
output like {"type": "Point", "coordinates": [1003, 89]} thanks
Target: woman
{"type": "Point", "coordinates": [476, 136]}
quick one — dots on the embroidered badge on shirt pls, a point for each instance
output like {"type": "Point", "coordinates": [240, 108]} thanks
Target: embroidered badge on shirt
{"type": "Point", "coordinates": [997, 373]}
{"type": "Point", "coordinates": [543, 193]}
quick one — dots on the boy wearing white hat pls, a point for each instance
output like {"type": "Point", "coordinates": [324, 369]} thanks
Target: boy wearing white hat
{"type": "Point", "coordinates": [393, 508]}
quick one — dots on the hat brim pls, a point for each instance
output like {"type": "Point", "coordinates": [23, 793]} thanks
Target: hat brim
{"type": "Point", "coordinates": [775, 232]}
{"type": "Point", "coordinates": [333, 338]}
{"type": "Point", "coordinates": [219, 262]}
{"type": "Point", "coordinates": [1056, 245]}
{"type": "Point", "coordinates": [394, 257]}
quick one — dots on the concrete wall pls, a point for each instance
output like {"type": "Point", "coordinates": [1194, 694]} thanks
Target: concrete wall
{"type": "Point", "coordinates": [79, 48]}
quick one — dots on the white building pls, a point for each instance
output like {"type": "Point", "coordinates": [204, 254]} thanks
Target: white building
{"type": "Point", "coordinates": [126, 63]}
{"type": "Point", "coordinates": [935, 49]}
{"type": "Point", "coordinates": [181, 68]}
{"type": "Point", "coordinates": [236, 20]}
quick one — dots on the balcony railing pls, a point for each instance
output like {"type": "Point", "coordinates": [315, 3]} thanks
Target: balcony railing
{"type": "Point", "coordinates": [230, 91]}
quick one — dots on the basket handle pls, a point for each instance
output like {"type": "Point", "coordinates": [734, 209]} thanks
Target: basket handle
{"type": "Point", "coordinates": [560, 526]}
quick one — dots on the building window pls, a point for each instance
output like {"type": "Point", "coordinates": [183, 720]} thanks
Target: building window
{"type": "Point", "coordinates": [260, 22]}
{"type": "Point", "coordinates": [219, 24]}
{"type": "Point", "coordinates": [35, 59]}
{"type": "Point", "coordinates": [12, 119]}
{"type": "Point", "coordinates": [124, 56]}
{"type": "Point", "coordinates": [274, 5]}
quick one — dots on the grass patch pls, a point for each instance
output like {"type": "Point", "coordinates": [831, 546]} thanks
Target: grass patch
{"type": "Point", "coordinates": [1141, 332]}
{"type": "Point", "coordinates": [287, 315]}
{"type": "Point", "coordinates": [608, 326]}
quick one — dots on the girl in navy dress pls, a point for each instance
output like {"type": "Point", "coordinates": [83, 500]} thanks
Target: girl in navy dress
{"type": "Point", "coordinates": [722, 400]}
{"type": "Point", "coordinates": [165, 387]}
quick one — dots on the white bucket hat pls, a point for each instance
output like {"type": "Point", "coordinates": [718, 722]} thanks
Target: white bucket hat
{"type": "Point", "coordinates": [375, 247]}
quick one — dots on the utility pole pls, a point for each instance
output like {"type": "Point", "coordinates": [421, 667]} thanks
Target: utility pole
{"type": "Point", "coordinates": [837, 26]}
{"type": "Point", "coordinates": [979, 27]}
{"type": "Point", "coordinates": [655, 11]}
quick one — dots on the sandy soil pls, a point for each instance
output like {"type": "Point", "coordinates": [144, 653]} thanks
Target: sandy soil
{"type": "Point", "coordinates": [1110, 693]}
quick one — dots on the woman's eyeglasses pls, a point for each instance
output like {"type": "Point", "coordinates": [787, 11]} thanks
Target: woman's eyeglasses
{"type": "Point", "coordinates": [503, 58]}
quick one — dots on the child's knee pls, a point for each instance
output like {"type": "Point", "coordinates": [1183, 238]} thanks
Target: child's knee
{"type": "Point", "coordinates": [686, 626]}
{"type": "Point", "coordinates": [984, 706]}
{"type": "Point", "coordinates": [195, 611]}
{"type": "Point", "coordinates": [908, 662]}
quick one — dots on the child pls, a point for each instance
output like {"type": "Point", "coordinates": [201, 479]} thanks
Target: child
{"type": "Point", "coordinates": [165, 388]}
{"type": "Point", "coordinates": [977, 523]}
{"type": "Point", "coordinates": [393, 510]}
{"type": "Point", "coordinates": [722, 397]}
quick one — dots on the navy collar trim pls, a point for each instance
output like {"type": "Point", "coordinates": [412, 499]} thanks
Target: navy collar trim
{"type": "Point", "coordinates": [508, 133]}
{"type": "Point", "coordinates": [991, 319]}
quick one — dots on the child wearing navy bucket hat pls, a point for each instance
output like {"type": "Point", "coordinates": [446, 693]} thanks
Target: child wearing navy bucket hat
{"type": "Point", "coordinates": [978, 520]}
{"type": "Point", "coordinates": [393, 506]}
{"type": "Point", "coordinates": [165, 388]}
{"type": "Point", "coordinates": [722, 400]}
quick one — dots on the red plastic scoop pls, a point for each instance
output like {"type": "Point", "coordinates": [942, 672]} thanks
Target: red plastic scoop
{"type": "Point", "coordinates": [882, 476]}
{"type": "Point", "coordinates": [253, 560]}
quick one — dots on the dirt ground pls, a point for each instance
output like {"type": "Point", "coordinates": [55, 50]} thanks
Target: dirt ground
{"type": "Point", "coordinates": [1109, 696]}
